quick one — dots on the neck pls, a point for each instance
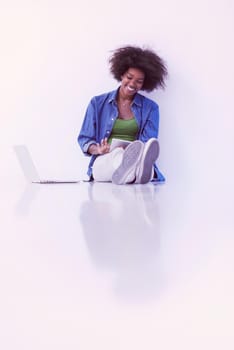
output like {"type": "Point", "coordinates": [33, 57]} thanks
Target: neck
{"type": "Point", "coordinates": [124, 99]}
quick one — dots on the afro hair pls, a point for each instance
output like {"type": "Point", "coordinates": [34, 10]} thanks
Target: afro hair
{"type": "Point", "coordinates": [145, 60]}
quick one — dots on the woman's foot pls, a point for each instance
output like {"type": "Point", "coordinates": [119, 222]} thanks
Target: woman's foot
{"type": "Point", "coordinates": [126, 172]}
{"type": "Point", "coordinates": [148, 158]}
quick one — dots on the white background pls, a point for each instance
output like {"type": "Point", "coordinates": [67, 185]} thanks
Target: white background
{"type": "Point", "coordinates": [65, 283]}
{"type": "Point", "coordinates": [54, 58]}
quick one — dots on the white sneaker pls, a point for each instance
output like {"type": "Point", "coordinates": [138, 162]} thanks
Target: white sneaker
{"type": "Point", "coordinates": [126, 172]}
{"type": "Point", "coordinates": [149, 156]}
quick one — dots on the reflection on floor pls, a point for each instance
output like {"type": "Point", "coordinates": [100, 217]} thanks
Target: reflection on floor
{"type": "Point", "coordinates": [100, 266]}
{"type": "Point", "coordinates": [128, 238]}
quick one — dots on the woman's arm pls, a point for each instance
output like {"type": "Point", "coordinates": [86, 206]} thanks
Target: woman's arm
{"type": "Point", "coordinates": [87, 135]}
{"type": "Point", "coordinates": [150, 126]}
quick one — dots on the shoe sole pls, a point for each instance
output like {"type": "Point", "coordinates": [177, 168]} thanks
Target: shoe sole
{"type": "Point", "coordinates": [149, 156]}
{"type": "Point", "coordinates": [131, 157]}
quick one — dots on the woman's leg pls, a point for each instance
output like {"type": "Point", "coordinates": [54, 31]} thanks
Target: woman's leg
{"type": "Point", "coordinates": [132, 165]}
{"type": "Point", "coordinates": [105, 165]}
{"type": "Point", "coordinates": [145, 172]}
{"type": "Point", "coordinates": [126, 172]}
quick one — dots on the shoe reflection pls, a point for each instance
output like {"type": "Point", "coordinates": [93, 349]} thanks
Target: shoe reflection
{"type": "Point", "coordinates": [122, 231]}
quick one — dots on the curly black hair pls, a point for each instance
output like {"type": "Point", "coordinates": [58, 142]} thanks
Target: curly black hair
{"type": "Point", "coordinates": [145, 60]}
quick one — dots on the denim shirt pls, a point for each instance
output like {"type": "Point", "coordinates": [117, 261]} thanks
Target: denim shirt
{"type": "Point", "coordinates": [100, 117]}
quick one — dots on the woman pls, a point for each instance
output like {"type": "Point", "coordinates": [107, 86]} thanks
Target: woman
{"type": "Point", "coordinates": [127, 115]}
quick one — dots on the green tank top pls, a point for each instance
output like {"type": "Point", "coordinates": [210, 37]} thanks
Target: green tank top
{"type": "Point", "coordinates": [125, 129]}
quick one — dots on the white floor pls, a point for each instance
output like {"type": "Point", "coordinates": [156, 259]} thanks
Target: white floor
{"type": "Point", "coordinates": [99, 266]}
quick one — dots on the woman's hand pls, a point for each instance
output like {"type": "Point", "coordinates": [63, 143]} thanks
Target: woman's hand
{"type": "Point", "coordinates": [100, 148]}
{"type": "Point", "coordinates": [103, 147]}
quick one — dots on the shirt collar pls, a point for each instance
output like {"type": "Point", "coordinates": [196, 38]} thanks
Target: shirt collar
{"type": "Point", "coordinates": [137, 98]}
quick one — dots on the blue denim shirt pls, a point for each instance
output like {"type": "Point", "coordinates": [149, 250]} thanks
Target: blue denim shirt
{"type": "Point", "coordinates": [100, 117]}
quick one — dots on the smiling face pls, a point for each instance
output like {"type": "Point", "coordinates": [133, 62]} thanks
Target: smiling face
{"type": "Point", "coordinates": [132, 81]}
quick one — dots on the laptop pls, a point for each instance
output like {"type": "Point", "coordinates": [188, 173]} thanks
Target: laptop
{"type": "Point", "coordinates": [29, 169]}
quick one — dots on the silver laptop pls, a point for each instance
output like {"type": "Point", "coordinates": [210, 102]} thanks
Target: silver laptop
{"type": "Point", "coordinates": [29, 169]}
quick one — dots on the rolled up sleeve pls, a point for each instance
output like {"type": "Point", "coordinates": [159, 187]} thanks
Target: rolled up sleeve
{"type": "Point", "coordinates": [87, 134]}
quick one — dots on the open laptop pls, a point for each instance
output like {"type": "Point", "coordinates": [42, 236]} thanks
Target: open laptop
{"type": "Point", "coordinates": [29, 169]}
